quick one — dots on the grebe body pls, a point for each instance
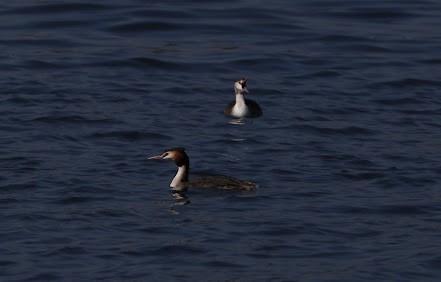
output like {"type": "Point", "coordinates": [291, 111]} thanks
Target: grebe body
{"type": "Point", "coordinates": [241, 107]}
{"type": "Point", "coordinates": [181, 183]}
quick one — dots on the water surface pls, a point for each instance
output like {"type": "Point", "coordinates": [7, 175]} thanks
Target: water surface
{"type": "Point", "coordinates": [347, 153]}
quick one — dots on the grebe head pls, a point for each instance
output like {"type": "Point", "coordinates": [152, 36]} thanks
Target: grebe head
{"type": "Point", "coordinates": [180, 158]}
{"type": "Point", "coordinates": [240, 86]}
{"type": "Point", "coordinates": [177, 155]}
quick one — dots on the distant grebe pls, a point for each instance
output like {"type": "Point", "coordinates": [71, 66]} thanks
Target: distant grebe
{"type": "Point", "coordinates": [180, 182]}
{"type": "Point", "coordinates": [241, 107]}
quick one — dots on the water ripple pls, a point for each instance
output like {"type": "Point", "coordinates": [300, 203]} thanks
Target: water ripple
{"type": "Point", "coordinates": [347, 153]}
{"type": "Point", "coordinates": [403, 209]}
{"type": "Point", "coordinates": [349, 130]}
{"type": "Point", "coordinates": [145, 26]}
{"type": "Point", "coordinates": [138, 63]}
{"type": "Point", "coordinates": [59, 8]}
{"type": "Point", "coordinates": [408, 82]}
{"type": "Point", "coordinates": [130, 135]}
{"type": "Point", "coordinates": [177, 250]}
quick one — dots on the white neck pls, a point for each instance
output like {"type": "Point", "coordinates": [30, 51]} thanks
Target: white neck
{"type": "Point", "coordinates": [240, 109]}
{"type": "Point", "coordinates": [177, 184]}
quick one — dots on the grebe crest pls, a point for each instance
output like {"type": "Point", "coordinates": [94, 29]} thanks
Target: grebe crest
{"type": "Point", "coordinates": [180, 182]}
{"type": "Point", "coordinates": [241, 107]}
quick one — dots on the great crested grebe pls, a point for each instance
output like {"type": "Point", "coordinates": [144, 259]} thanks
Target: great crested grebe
{"type": "Point", "coordinates": [241, 107]}
{"type": "Point", "coordinates": [180, 182]}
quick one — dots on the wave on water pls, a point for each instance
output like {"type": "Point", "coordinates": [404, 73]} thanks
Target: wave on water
{"type": "Point", "coordinates": [347, 154]}
{"type": "Point", "coordinates": [130, 135]}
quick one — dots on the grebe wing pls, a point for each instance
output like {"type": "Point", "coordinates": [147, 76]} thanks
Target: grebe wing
{"type": "Point", "coordinates": [253, 108]}
{"type": "Point", "coordinates": [222, 182]}
{"type": "Point", "coordinates": [229, 108]}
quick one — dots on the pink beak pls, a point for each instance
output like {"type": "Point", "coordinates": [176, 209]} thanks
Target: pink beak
{"type": "Point", "coordinates": [245, 90]}
{"type": "Point", "coordinates": [155, 158]}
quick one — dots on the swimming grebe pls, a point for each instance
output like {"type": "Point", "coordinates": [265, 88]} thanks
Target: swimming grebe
{"type": "Point", "coordinates": [241, 107]}
{"type": "Point", "coordinates": [180, 182]}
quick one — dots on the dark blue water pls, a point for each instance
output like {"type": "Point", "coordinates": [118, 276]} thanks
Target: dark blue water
{"type": "Point", "coordinates": [347, 154]}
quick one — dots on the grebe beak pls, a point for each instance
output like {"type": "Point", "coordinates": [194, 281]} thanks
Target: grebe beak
{"type": "Point", "coordinates": [245, 89]}
{"type": "Point", "coordinates": [155, 158]}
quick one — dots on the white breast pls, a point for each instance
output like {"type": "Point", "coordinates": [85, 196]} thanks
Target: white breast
{"type": "Point", "coordinates": [240, 109]}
